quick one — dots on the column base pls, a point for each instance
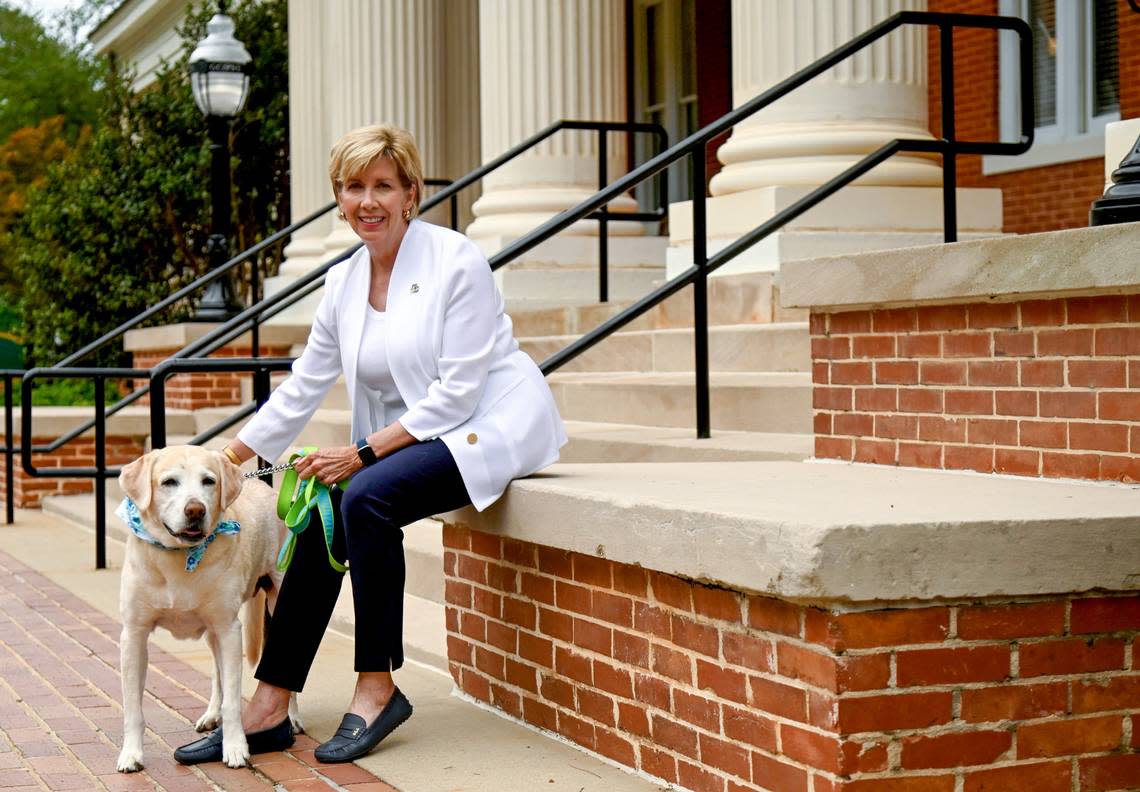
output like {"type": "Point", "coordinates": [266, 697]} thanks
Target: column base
{"type": "Point", "coordinates": [564, 270]}
{"type": "Point", "coordinates": [517, 212]}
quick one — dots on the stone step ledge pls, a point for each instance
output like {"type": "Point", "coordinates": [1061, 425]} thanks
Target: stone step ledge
{"type": "Point", "coordinates": [841, 534]}
{"type": "Point", "coordinates": [128, 422]}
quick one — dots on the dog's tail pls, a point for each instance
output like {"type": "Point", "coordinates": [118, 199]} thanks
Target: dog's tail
{"type": "Point", "coordinates": [254, 624]}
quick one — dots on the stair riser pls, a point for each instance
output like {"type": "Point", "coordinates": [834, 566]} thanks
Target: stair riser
{"type": "Point", "coordinates": [735, 299]}
{"type": "Point", "coordinates": [775, 408]}
{"type": "Point", "coordinates": [746, 350]}
{"type": "Point", "coordinates": [602, 450]}
{"type": "Point", "coordinates": [575, 287]}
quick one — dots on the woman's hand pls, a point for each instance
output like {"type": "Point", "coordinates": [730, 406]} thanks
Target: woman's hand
{"type": "Point", "coordinates": [329, 465]}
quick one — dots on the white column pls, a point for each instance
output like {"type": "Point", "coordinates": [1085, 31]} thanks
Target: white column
{"type": "Point", "coordinates": [308, 149]}
{"type": "Point", "coordinates": [543, 61]}
{"type": "Point", "coordinates": [384, 64]}
{"type": "Point", "coordinates": [828, 124]}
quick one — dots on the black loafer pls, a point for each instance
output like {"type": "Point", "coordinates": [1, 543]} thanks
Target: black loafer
{"type": "Point", "coordinates": [209, 748]}
{"type": "Point", "coordinates": [354, 738]}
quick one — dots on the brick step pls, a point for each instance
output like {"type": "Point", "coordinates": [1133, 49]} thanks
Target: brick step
{"type": "Point", "coordinates": [783, 346]}
{"type": "Point", "coordinates": [755, 402]}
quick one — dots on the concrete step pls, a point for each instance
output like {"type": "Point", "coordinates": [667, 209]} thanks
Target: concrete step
{"type": "Point", "coordinates": [747, 298]}
{"type": "Point", "coordinates": [597, 440]}
{"type": "Point", "coordinates": [754, 402]}
{"type": "Point", "coordinates": [335, 399]}
{"type": "Point", "coordinates": [745, 347]}
{"type": "Point", "coordinates": [425, 631]}
{"type": "Point", "coordinates": [609, 442]}
{"type": "Point", "coordinates": [559, 286]}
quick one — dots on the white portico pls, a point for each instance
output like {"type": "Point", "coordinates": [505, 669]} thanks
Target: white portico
{"type": "Point", "coordinates": [814, 133]}
{"type": "Point", "coordinates": [472, 78]}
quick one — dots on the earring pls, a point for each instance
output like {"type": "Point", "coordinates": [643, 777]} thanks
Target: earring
{"type": "Point", "coordinates": [407, 214]}
{"type": "Point", "coordinates": [341, 215]}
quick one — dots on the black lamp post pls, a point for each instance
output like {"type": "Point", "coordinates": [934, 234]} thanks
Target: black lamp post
{"type": "Point", "coordinates": [1121, 202]}
{"type": "Point", "coordinates": [219, 78]}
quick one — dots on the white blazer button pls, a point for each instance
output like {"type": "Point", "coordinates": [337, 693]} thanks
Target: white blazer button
{"type": "Point", "coordinates": [472, 438]}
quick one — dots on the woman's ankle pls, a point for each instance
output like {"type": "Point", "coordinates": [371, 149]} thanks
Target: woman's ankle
{"type": "Point", "coordinates": [268, 706]}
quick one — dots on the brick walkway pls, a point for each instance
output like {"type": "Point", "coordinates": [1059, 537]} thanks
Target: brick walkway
{"type": "Point", "coordinates": [61, 722]}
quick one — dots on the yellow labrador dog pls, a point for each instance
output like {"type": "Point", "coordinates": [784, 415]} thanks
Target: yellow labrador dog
{"type": "Point", "coordinates": [189, 570]}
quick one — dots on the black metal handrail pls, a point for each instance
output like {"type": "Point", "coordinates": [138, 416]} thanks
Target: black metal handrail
{"type": "Point", "coordinates": [251, 318]}
{"type": "Point", "coordinates": [312, 281]}
{"type": "Point", "coordinates": [246, 321]}
{"type": "Point", "coordinates": [949, 146]}
{"type": "Point", "coordinates": [100, 472]}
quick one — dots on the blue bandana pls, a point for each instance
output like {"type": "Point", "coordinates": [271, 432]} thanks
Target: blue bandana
{"type": "Point", "coordinates": [128, 512]}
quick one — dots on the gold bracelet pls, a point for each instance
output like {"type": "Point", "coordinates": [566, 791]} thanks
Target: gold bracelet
{"type": "Point", "coordinates": [229, 452]}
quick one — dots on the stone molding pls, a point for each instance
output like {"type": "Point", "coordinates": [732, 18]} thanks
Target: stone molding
{"type": "Point", "coordinates": [841, 534]}
{"type": "Point", "coordinates": [1076, 262]}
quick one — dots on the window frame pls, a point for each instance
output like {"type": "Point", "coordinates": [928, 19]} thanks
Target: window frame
{"type": "Point", "coordinates": [1077, 134]}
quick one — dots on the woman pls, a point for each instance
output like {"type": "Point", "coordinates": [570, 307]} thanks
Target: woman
{"type": "Point", "coordinates": [446, 410]}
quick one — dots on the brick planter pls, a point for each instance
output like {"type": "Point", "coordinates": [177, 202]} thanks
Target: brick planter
{"type": "Point", "coordinates": [714, 689]}
{"type": "Point", "coordinates": [1036, 388]}
{"type": "Point", "coordinates": [78, 453]}
{"type": "Point", "coordinates": [205, 389]}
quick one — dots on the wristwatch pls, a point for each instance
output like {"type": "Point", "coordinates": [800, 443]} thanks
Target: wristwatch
{"type": "Point", "coordinates": [365, 452]}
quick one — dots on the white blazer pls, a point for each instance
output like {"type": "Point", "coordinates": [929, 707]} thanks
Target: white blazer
{"type": "Point", "coordinates": [452, 355]}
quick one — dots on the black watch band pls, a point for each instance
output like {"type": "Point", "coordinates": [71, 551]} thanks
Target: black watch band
{"type": "Point", "coordinates": [365, 452]}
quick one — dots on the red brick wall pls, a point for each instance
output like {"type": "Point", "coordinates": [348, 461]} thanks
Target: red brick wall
{"type": "Point", "coordinates": [1037, 199]}
{"type": "Point", "coordinates": [721, 691]}
{"type": "Point", "coordinates": [1048, 387]}
{"type": "Point", "coordinates": [78, 453]}
{"type": "Point", "coordinates": [194, 391]}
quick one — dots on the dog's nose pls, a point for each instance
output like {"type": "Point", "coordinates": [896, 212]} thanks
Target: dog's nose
{"type": "Point", "coordinates": [194, 510]}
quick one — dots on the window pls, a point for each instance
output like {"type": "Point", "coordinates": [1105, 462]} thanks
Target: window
{"type": "Point", "coordinates": [1074, 77]}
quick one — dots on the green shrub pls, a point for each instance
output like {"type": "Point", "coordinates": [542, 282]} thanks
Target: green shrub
{"type": "Point", "coordinates": [123, 220]}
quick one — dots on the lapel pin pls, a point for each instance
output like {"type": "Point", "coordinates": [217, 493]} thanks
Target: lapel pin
{"type": "Point", "coordinates": [415, 288]}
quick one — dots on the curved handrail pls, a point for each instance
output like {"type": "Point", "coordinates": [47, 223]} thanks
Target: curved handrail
{"type": "Point", "coordinates": [948, 146]}
{"type": "Point", "coordinates": [271, 306]}
{"type": "Point", "coordinates": [701, 137]}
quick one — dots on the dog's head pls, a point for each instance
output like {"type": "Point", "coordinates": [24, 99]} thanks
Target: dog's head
{"type": "Point", "coordinates": [181, 492]}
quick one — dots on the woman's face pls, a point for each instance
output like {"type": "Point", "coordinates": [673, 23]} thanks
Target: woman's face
{"type": "Point", "coordinates": [373, 203]}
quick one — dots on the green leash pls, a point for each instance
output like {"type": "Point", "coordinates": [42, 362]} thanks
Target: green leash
{"type": "Point", "coordinates": [294, 504]}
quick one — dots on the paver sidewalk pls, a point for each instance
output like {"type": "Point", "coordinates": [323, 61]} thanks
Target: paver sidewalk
{"type": "Point", "coordinates": [61, 724]}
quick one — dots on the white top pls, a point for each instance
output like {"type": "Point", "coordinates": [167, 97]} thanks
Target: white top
{"type": "Point", "coordinates": [455, 362]}
{"type": "Point", "coordinates": [374, 373]}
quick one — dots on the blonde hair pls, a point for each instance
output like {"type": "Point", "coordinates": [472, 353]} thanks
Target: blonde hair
{"type": "Point", "coordinates": [357, 150]}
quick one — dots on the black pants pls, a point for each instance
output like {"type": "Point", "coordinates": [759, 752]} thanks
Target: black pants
{"type": "Point", "coordinates": [414, 482]}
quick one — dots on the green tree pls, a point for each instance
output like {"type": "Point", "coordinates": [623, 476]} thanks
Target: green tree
{"type": "Point", "coordinates": [41, 77]}
{"type": "Point", "coordinates": [122, 222]}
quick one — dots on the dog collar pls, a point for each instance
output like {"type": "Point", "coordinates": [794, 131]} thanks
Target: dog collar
{"type": "Point", "coordinates": [128, 512]}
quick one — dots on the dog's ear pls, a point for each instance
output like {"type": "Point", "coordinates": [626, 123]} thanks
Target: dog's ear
{"type": "Point", "coordinates": [232, 480]}
{"type": "Point", "coordinates": [135, 480]}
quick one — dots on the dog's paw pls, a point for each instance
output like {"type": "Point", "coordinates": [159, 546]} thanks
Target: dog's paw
{"type": "Point", "coordinates": [129, 761]}
{"type": "Point", "coordinates": [235, 754]}
{"type": "Point", "coordinates": [298, 725]}
{"type": "Point", "coordinates": [210, 720]}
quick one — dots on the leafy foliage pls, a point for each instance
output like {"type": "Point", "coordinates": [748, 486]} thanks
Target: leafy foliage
{"type": "Point", "coordinates": [123, 221]}
{"type": "Point", "coordinates": [42, 77]}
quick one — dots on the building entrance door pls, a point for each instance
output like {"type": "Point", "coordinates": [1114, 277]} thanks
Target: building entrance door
{"type": "Point", "coordinates": [665, 85]}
